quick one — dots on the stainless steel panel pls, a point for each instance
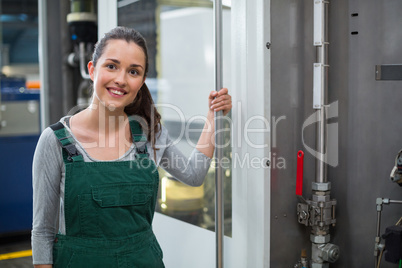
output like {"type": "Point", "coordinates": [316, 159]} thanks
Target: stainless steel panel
{"type": "Point", "coordinates": [367, 125]}
{"type": "Point", "coordinates": [292, 58]}
{"type": "Point", "coordinates": [19, 118]}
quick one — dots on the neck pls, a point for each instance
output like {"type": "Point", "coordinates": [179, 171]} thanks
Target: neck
{"type": "Point", "coordinates": [104, 119]}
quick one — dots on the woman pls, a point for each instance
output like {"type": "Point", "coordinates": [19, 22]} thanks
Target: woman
{"type": "Point", "coordinates": [94, 174]}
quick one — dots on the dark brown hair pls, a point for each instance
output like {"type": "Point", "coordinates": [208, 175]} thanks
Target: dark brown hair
{"type": "Point", "coordinates": [142, 105]}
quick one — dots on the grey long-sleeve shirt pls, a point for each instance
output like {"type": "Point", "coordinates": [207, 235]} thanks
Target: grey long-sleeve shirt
{"type": "Point", "coordinates": [49, 177]}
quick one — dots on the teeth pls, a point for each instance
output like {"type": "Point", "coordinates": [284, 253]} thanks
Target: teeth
{"type": "Point", "coordinates": [116, 92]}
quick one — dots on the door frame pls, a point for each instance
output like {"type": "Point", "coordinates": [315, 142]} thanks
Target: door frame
{"type": "Point", "coordinates": [251, 116]}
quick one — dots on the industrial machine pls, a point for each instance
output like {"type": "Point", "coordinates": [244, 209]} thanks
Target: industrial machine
{"type": "Point", "coordinates": [354, 69]}
{"type": "Point", "coordinates": [19, 133]}
{"type": "Point", "coordinates": [82, 22]}
{"type": "Point", "coordinates": [393, 234]}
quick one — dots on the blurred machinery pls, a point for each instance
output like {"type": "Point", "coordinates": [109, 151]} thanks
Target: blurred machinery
{"type": "Point", "coordinates": [19, 133]}
{"type": "Point", "coordinates": [82, 22]}
{"type": "Point", "coordinates": [319, 214]}
{"type": "Point", "coordinates": [365, 81]}
{"type": "Point", "coordinates": [396, 173]}
{"type": "Point", "coordinates": [393, 234]}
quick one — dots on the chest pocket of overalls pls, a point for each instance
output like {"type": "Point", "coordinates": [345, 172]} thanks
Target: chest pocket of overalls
{"type": "Point", "coordinates": [116, 209]}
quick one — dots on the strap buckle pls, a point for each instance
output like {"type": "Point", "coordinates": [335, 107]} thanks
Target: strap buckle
{"type": "Point", "coordinates": [142, 150]}
{"type": "Point", "coordinates": [70, 148]}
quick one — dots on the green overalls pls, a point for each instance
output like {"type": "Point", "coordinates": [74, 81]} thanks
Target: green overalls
{"type": "Point", "coordinates": [108, 208]}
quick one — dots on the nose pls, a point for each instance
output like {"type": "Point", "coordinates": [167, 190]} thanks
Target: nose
{"type": "Point", "coordinates": [120, 78]}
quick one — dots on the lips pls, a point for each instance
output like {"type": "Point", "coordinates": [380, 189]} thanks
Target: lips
{"type": "Point", "coordinates": [116, 92]}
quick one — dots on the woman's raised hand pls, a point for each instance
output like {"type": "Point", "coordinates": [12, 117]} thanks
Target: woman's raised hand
{"type": "Point", "coordinates": [220, 101]}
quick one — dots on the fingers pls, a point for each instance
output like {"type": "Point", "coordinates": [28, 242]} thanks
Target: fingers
{"type": "Point", "coordinates": [223, 91]}
{"type": "Point", "coordinates": [222, 101]}
{"type": "Point", "coordinates": [220, 96]}
{"type": "Point", "coordinates": [213, 94]}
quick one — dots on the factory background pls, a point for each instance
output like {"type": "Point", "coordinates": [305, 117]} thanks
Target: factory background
{"type": "Point", "coordinates": [313, 140]}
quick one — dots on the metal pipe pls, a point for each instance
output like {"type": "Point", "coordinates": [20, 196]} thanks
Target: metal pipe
{"type": "Point", "coordinates": [219, 232]}
{"type": "Point", "coordinates": [320, 102]}
{"type": "Point", "coordinates": [43, 64]}
{"type": "Point", "coordinates": [378, 223]}
{"type": "Point", "coordinates": [321, 133]}
{"type": "Point", "coordinates": [83, 71]}
{"type": "Point", "coordinates": [376, 256]}
{"type": "Point", "coordinates": [321, 215]}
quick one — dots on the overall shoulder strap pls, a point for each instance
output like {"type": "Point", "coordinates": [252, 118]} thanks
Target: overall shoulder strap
{"type": "Point", "coordinates": [67, 142]}
{"type": "Point", "coordinates": [139, 138]}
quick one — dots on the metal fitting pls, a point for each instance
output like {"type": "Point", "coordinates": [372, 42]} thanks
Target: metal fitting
{"type": "Point", "coordinates": [321, 198]}
{"type": "Point", "coordinates": [320, 239]}
{"type": "Point", "coordinates": [303, 214]}
{"type": "Point", "coordinates": [380, 201]}
{"type": "Point", "coordinates": [378, 248]}
{"type": "Point", "coordinates": [330, 253]}
{"type": "Point", "coordinates": [321, 186]}
{"type": "Point", "coordinates": [320, 265]}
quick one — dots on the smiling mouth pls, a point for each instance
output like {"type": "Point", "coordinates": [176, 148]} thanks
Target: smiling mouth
{"type": "Point", "coordinates": [117, 91]}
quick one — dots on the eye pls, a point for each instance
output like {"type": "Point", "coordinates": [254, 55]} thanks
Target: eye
{"type": "Point", "coordinates": [134, 72]}
{"type": "Point", "coordinates": [111, 66]}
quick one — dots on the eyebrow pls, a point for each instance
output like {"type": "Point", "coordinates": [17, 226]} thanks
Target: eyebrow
{"type": "Point", "coordinates": [131, 65]}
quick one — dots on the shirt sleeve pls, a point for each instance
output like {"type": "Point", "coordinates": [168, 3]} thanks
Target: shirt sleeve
{"type": "Point", "coordinates": [46, 177]}
{"type": "Point", "coordinates": [190, 171]}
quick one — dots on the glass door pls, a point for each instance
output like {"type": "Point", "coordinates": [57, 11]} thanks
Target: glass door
{"type": "Point", "coordinates": [180, 39]}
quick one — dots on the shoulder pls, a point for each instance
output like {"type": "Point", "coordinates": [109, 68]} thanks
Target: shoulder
{"type": "Point", "coordinates": [47, 137]}
{"type": "Point", "coordinates": [47, 148]}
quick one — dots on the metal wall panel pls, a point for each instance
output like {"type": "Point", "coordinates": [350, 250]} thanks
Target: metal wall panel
{"type": "Point", "coordinates": [292, 55]}
{"type": "Point", "coordinates": [368, 123]}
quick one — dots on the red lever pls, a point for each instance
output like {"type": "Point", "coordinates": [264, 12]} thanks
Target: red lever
{"type": "Point", "coordinates": [299, 177]}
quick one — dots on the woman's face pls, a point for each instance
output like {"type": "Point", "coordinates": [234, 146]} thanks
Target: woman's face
{"type": "Point", "coordinates": [118, 74]}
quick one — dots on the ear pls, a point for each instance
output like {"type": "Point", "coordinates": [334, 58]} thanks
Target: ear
{"type": "Point", "coordinates": [143, 81]}
{"type": "Point", "coordinates": [91, 69]}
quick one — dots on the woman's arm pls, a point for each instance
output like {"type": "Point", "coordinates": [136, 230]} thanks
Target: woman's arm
{"type": "Point", "coordinates": [192, 171]}
{"type": "Point", "coordinates": [217, 101]}
{"type": "Point", "coordinates": [46, 179]}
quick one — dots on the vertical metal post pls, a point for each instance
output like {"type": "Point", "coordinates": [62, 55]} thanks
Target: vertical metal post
{"type": "Point", "coordinates": [43, 64]}
{"type": "Point", "coordinates": [321, 44]}
{"type": "Point", "coordinates": [218, 137]}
